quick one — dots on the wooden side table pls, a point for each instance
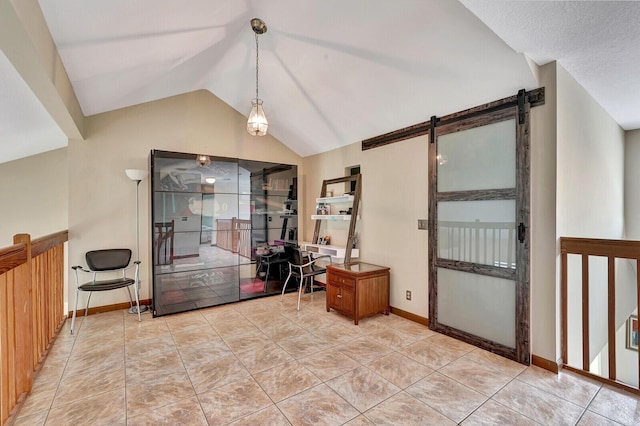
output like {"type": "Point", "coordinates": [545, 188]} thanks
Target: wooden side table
{"type": "Point", "coordinates": [358, 289]}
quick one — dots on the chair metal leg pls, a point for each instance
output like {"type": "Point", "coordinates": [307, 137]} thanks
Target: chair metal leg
{"type": "Point", "coordinates": [136, 291]}
{"type": "Point", "coordinates": [86, 309]}
{"type": "Point", "coordinates": [75, 308]}
{"type": "Point", "coordinates": [302, 278]}
{"type": "Point", "coordinates": [284, 287]}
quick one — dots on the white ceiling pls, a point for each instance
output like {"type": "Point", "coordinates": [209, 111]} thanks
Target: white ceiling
{"type": "Point", "coordinates": [335, 72]}
{"type": "Point", "coordinates": [26, 128]}
{"type": "Point", "coordinates": [597, 42]}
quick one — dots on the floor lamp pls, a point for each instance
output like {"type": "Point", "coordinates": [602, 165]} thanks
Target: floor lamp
{"type": "Point", "coordinates": [137, 176]}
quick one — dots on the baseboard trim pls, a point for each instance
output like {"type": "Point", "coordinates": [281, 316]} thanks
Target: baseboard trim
{"type": "Point", "coordinates": [544, 363]}
{"type": "Point", "coordinates": [410, 316]}
{"type": "Point", "coordinates": [108, 308]}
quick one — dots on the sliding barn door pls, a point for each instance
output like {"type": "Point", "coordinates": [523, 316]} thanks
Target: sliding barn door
{"type": "Point", "coordinates": [479, 226]}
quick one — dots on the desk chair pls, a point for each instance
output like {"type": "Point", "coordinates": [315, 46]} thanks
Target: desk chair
{"type": "Point", "coordinates": [302, 267]}
{"type": "Point", "coordinates": [265, 261]}
{"type": "Point", "coordinates": [114, 261]}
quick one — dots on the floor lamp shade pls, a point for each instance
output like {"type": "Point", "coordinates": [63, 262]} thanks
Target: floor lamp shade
{"type": "Point", "coordinates": [135, 174]}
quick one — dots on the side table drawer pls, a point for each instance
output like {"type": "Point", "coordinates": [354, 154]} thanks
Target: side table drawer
{"type": "Point", "coordinates": [342, 281]}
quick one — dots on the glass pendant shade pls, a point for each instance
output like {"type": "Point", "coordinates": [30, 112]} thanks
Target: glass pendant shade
{"type": "Point", "coordinates": [203, 160]}
{"type": "Point", "coordinates": [257, 124]}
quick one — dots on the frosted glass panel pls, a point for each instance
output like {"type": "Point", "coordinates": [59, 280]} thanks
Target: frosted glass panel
{"type": "Point", "coordinates": [480, 305]}
{"type": "Point", "coordinates": [479, 158]}
{"type": "Point", "coordinates": [478, 231]}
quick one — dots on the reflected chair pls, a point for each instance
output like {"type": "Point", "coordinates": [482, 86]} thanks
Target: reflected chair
{"type": "Point", "coordinates": [113, 264]}
{"type": "Point", "coordinates": [303, 267]}
{"type": "Point", "coordinates": [164, 242]}
{"type": "Point", "coordinates": [265, 261]}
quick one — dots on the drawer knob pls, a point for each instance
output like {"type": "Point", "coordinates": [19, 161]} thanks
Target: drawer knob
{"type": "Point", "coordinates": [339, 296]}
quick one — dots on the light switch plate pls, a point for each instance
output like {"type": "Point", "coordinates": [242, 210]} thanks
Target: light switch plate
{"type": "Point", "coordinates": [423, 224]}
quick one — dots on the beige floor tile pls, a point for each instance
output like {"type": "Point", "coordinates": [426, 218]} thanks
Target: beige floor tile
{"type": "Point", "coordinates": [204, 352]}
{"type": "Point", "coordinates": [392, 338]}
{"type": "Point", "coordinates": [328, 364]}
{"type": "Point", "coordinates": [142, 369]}
{"type": "Point", "coordinates": [364, 350]}
{"type": "Point", "coordinates": [590, 418]}
{"type": "Point", "coordinates": [337, 334]}
{"type": "Point", "coordinates": [147, 347]}
{"type": "Point", "coordinates": [363, 388]}
{"type": "Point", "coordinates": [36, 419]}
{"type": "Point", "coordinates": [233, 401]}
{"type": "Point", "coordinates": [194, 336]}
{"type": "Point", "coordinates": [499, 363]}
{"type": "Point", "coordinates": [361, 420]}
{"type": "Point", "coordinates": [145, 330]}
{"type": "Point", "coordinates": [446, 396]}
{"type": "Point", "coordinates": [403, 409]}
{"type": "Point", "coordinates": [216, 373]}
{"type": "Point", "coordinates": [618, 405]}
{"type": "Point", "coordinates": [247, 342]}
{"type": "Point", "coordinates": [318, 406]}
{"type": "Point", "coordinates": [538, 405]}
{"type": "Point", "coordinates": [161, 377]}
{"type": "Point", "coordinates": [572, 387]}
{"type": "Point", "coordinates": [282, 329]}
{"type": "Point", "coordinates": [186, 321]}
{"type": "Point", "coordinates": [78, 387]}
{"type": "Point", "coordinates": [478, 376]}
{"type": "Point", "coordinates": [103, 409]}
{"type": "Point", "coordinates": [303, 345]}
{"type": "Point", "coordinates": [38, 401]}
{"type": "Point", "coordinates": [286, 380]}
{"type": "Point", "coordinates": [268, 356]}
{"type": "Point", "coordinates": [491, 413]}
{"type": "Point", "coordinates": [185, 412]}
{"type": "Point", "coordinates": [270, 416]}
{"type": "Point", "coordinates": [163, 390]}
{"type": "Point", "coordinates": [426, 353]}
{"type": "Point", "coordinates": [400, 370]}
{"type": "Point", "coordinates": [416, 330]}
{"type": "Point", "coordinates": [234, 328]}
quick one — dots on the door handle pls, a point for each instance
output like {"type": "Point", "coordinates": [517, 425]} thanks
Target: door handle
{"type": "Point", "coordinates": [521, 232]}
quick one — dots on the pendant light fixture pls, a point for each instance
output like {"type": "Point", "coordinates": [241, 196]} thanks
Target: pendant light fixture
{"type": "Point", "coordinates": [203, 160]}
{"type": "Point", "coordinates": [257, 124]}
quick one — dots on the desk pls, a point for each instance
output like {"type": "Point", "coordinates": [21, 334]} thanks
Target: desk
{"type": "Point", "coordinates": [358, 289]}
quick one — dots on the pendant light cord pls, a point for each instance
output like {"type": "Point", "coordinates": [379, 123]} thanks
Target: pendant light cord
{"type": "Point", "coordinates": [257, 65]}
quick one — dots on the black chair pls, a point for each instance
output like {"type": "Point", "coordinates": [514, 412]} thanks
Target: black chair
{"type": "Point", "coordinates": [271, 256]}
{"type": "Point", "coordinates": [302, 267]}
{"type": "Point", "coordinates": [102, 262]}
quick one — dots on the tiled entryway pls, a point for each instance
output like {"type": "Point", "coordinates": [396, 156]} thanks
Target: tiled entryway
{"type": "Point", "coordinates": [261, 362]}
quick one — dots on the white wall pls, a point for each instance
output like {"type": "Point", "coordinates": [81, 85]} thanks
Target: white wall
{"type": "Point", "coordinates": [394, 197]}
{"type": "Point", "coordinates": [632, 185]}
{"type": "Point", "coordinates": [34, 194]}
{"type": "Point", "coordinates": [102, 198]}
{"type": "Point", "coordinates": [590, 195]}
{"type": "Point", "coordinates": [545, 325]}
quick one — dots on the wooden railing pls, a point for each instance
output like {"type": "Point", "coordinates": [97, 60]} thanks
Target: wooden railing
{"type": "Point", "coordinates": [31, 312]}
{"type": "Point", "coordinates": [234, 235]}
{"type": "Point", "coordinates": [611, 250]}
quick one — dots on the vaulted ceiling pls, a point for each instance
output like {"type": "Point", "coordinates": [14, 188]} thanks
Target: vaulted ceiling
{"type": "Point", "coordinates": [332, 72]}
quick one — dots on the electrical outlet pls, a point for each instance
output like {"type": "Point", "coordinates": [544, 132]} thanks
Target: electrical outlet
{"type": "Point", "coordinates": [408, 294]}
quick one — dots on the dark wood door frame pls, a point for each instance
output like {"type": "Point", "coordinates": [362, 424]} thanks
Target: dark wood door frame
{"type": "Point", "coordinates": [519, 112]}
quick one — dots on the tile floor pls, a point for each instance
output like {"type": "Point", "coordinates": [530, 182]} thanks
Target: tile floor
{"type": "Point", "coordinates": [262, 362]}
